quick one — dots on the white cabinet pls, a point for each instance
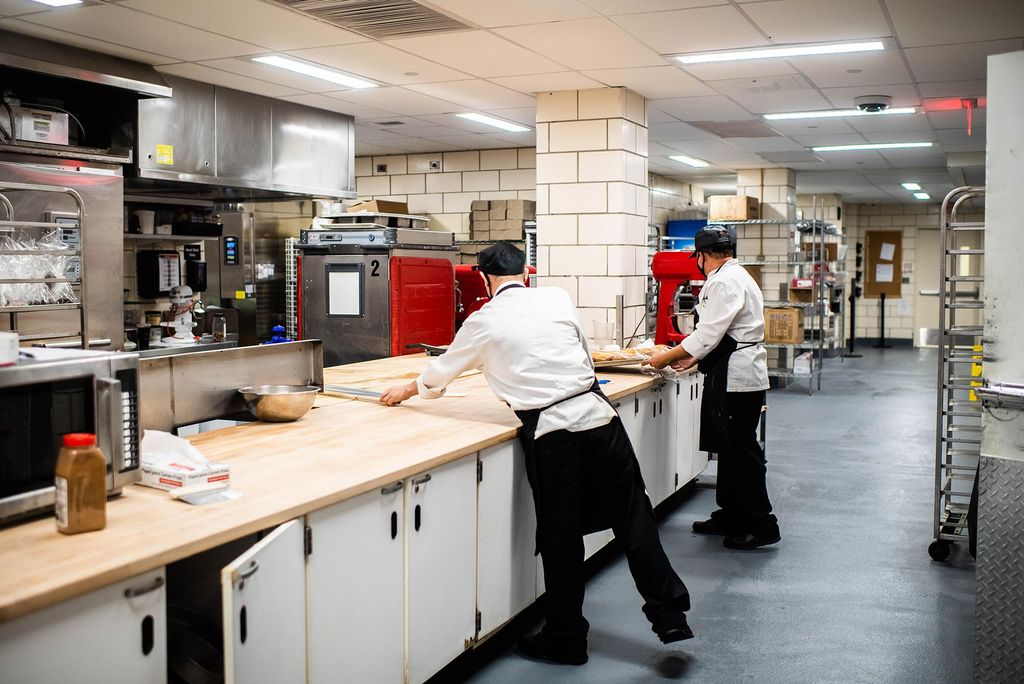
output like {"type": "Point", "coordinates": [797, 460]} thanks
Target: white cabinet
{"type": "Point", "coordinates": [506, 537]}
{"type": "Point", "coordinates": [646, 443]}
{"type": "Point", "coordinates": [114, 634]}
{"type": "Point", "coordinates": [700, 458]}
{"type": "Point", "coordinates": [264, 602]}
{"type": "Point", "coordinates": [441, 558]}
{"type": "Point", "coordinates": [356, 578]}
{"type": "Point", "coordinates": [683, 419]}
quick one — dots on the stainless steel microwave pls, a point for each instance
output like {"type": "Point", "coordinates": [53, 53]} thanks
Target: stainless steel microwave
{"type": "Point", "coordinates": [51, 392]}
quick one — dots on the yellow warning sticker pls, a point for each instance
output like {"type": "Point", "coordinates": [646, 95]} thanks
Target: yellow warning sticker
{"type": "Point", "coordinates": [239, 294]}
{"type": "Point", "coordinates": [165, 155]}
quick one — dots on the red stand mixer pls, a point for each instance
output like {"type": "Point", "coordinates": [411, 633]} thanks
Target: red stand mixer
{"type": "Point", "coordinates": [679, 284]}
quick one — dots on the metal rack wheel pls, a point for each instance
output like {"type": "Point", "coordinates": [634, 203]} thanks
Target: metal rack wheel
{"type": "Point", "coordinates": [939, 549]}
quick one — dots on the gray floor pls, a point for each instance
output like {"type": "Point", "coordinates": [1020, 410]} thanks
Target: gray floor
{"type": "Point", "coordinates": [850, 595]}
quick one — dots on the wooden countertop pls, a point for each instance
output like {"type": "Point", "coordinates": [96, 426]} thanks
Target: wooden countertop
{"type": "Point", "coordinates": [342, 448]}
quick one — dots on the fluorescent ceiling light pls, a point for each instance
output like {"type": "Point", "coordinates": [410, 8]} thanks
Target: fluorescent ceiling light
{"type": "Point", "coordinates": [922, 195]}
{"type": "Point", "coordinates": [781, 52]}
{"type": "Point", "coordinates": [690, 161]}
{"type": "Point", "coordinates": [59, 3]}
{"type": "Point", "coordinates": [911, 186]}
{"type": "Point", "coordinates": [307, 69]}
{"type": "Point", "coordinates": [830, 113]}
{"type": "Point", "coordinates": [870, 146]}
{"type": "Point", "coordinates": [491, 121]}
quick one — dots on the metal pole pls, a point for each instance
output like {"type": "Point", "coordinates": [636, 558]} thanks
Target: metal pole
{"type": "Point", "coordinates": [881, 339]}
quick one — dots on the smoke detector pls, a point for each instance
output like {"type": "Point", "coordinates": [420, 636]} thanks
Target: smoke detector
{"type": "Point", "coordinates": [873, 103]}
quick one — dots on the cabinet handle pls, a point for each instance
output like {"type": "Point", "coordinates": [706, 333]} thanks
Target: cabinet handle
{"type": "Point", "coordinates": [243, 624]}
{"type": "Point", "coordinates": [135, 593]}
{"type": "Point", "coordinates": [417, 517]}
{"type": "Point", "coordinates": [148, 640]}
{"type": "Point", "coordinates": [391, 489]}
{"type": "Point", "coordinates": [423, 479]}
{"type": "Point", "coordinates": [242, 575]}
{"type": "Point", "coordinates": [661, 406]}
{"type": "Point", "coordinates": [394, 524]}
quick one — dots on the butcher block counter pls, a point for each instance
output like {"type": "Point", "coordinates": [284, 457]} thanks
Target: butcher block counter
{"type": "Point", "coordinates": [341, 449]}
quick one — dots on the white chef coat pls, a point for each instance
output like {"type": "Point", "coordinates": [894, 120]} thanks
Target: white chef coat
{"type": "Point", "coordinates": [731, 303]}
{"type": "Point", "coordinates": [530, 345]}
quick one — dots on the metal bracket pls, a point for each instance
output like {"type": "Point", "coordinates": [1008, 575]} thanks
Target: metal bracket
{"type": "Point", "coordinates": [1004, 395]}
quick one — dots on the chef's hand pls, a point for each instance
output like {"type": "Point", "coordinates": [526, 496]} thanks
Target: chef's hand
{"type": "Point", "coordinates": [684, 364]}
{"type": "Point", "coordinates": [660, 360]}
{"type": "Point", "coordinates": [394, 396]}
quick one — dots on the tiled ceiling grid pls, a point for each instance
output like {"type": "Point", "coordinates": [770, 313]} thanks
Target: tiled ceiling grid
{"type": "Point", "coordinates": [513, 49]}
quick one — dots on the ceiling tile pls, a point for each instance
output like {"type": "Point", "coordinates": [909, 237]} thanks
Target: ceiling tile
{"type": "Point", "coordinates": [813, 127]}
{"type": "Point", "coordinates": [542, 83]}
{"type": "Point", "coordinates": [335, 105]}
{"type": "Point", "coordinates": [957, 62]}
{"type": "Point", "coordinates": [584, 44]}
{"type": "Point", "coordinates": [903, 159]}
{"type": "Point", "coordinates": [753, 68]}
{"type": "Point", "coordinates": [491, 14]}
{"type": "Point", "coordinates": [265, 24]}
{"type": "Point", "coordinates": [782, 101]}
{"type": "Point", "coordinates": [779, 144]}
{"type": "Point", "coordinates": [656, 116]}
{"type": "Point", "coordinates": [471, 141]}
{"type": "Point", "coordinates": [815, 21]}
{"type": "Point", "coordinates": [377, 135]}
{"type": "Point", "coordinates": [713, 149]}
{"type": "Point", "coordinates": [365, 149]}
{"type": "Point", "coordinates": [479, 53]}
{"type": "Point", "coordinates": [948, 136]}
{"type": "Point", "coordinates": [692, 30]}
{"type": "Point", "coordinates": [940, 22]}
{"type": "Point", "coordinates": [791, 157]}
{"type": "Point", "coordinates": [65, 38]}
{"type": "Point", "coordinates": [610, 7]}
{"type": "Point", "coordinates": [953, 89]}
{"type": "Point", "coordinates": [653, 82]}
{"type": "Point", "coordinates": [244, 66]}
{"type": "Point", "coordinates": [677, 130]}
{"type": "Point", "coordinates": [474, 94]}
{"type": "Point", "coordinates": [397, 100]}
{"type": "Point", "coordinates": [814, 140]}
{"type": "Point", "coordinates": [890, 123]}
{"type": "Point", "coordinates": [122, 26]}
{"type": "Point", "coordinates": [957, 119]}
{"type": "Point", "coordinates": [199, 72]}
{"type": "Point", "coordinates": [920, 135]}
{"type": "Point", "coordinates": [712, 108]}
{"type": "Point", "coordinates": [418, 145]}
{"type": "Point", "coordinates": [903, 95]}
{"type": "Point", "coordinates": [380, 63]}
{"type": "Point", "coordinates": [523, 115]}
{"type": "Point", "coordinates": [871, 68]}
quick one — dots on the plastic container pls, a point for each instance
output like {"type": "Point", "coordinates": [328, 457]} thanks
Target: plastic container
{"type": "Point", "coordinates": [219, 327]}
{"type": "Point", "coordinates": [81, 482]}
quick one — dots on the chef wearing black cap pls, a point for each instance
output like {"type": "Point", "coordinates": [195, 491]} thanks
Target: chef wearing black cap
{"type": "Point", "coordinates": [726, 346]}
{"type": "Point", "coordinates": [531, 347]}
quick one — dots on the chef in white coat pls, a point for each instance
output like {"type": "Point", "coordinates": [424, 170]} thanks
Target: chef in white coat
{"type": "Point", "coordinates": [531, 347]}
{"type": "Point", "coordinates": [727, 347]}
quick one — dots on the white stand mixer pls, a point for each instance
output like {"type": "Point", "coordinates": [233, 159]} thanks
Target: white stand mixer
{"type": "Point", "coordinates": [181, 321]}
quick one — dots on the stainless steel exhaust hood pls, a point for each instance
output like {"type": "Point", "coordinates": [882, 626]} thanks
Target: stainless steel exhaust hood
{"type": "Point", "coordinates": [54, 59]}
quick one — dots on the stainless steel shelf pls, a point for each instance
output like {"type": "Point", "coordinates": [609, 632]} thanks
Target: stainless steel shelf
{"type": "Point", "coordinates": [29, 281]}
{"type": "Point", "coordinates": [39, 307]}
{"type": "Point", "coordinates": [153, 237]}
{"type": "Point", "coordinates": [40, 252]}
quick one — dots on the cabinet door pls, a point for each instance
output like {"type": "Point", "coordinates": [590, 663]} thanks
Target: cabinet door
{"type": "Point", "coordinates": [700, 458]}
{"type": "Point", "coordinates": [114, 634]}
{"type": "Point", "coordinates": [441, 546]}
{"type": "Point", "coordinates": [646, 444]}
{"type": "Point", "coordinates": [684, 431]}
{"type": "Point", "coordinates": [506, 537]}
{"type": "Point", "coordinates": [666, 456]}
{"type": "Point", "coordinates": [356, 579]}
{"type": "Point", "coordinates": [264, 603]}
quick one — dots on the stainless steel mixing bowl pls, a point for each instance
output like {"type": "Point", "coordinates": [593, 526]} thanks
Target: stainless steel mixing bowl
{"type": "Point", "coordinates": [279, 403]}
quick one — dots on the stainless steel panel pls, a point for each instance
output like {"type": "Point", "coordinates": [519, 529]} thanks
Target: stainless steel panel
{"type": "Point", "coordinates": [101, 187]}
{"type": "Point", "coordinates": [188, 122]}
{"type": "Point", "coordinates": [192, 388]}
{"type": "Point", "coordinates": [999, 615]}
{"type": "Point", "coordinates": [244, 151]}
{"type": "Point", "coordinates": [348, 339]}
{"type": "Point", "coordinates": [314, 150]}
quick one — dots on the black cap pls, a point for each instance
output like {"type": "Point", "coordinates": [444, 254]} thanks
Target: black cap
{"type": "Point", "coordinates": [714, 238]}
{"type": "Point", "coordinates": [500, 259]}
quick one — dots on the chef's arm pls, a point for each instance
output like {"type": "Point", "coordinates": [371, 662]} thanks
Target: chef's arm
{"type": "Point", "coordinates": [465, 352]}
{"type": "Point", "coordinates": [723, 303]}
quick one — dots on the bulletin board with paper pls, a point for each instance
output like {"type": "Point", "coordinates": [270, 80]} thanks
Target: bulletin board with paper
{"type": "Point", "coordinates": [883, 270]}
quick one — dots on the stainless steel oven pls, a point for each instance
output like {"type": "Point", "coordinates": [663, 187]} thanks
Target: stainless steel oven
{"type": "Point", "coordinates": [51, 392]}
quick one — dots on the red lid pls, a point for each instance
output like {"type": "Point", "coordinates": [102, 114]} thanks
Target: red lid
{"type": "Point", "coordinates": [79, 439]}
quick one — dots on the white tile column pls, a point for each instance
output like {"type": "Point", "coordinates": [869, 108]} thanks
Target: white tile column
{"type": "Point", "coordinates": [592, 200]}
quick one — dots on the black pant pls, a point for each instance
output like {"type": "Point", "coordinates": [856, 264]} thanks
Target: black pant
{"type": "Point", "coordinates": [588, 481]}
{"type": "Point", "coordinates": [742, 494]}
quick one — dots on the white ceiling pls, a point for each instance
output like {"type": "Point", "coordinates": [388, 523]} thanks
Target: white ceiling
{"type": "Point", "coordinates": [516, 48]}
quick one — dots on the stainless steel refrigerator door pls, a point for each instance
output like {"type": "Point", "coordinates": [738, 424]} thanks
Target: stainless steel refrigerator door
{"type": "Point", "coordinates": [355, 325]}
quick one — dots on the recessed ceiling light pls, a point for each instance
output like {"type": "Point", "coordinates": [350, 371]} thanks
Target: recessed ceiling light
{"type": "Point", "coordinates": [58, 3]}
{"type": "Point", "coordinates": [491, 121]}
{"type": "Point", "coordinates": [689, 161]}
{"type": "Point", "coordinates": [870, 146]}
{"type": "Point", "coordinates": [832, 113]}
{"type": "Point", "coordinates": [314, 71]}
{"type": "Point", "coordinates": [911, 186]}
{"type": "Point", "coordinates": [781, 52]}
{"type": "Point", "coordinates": [922, 195]}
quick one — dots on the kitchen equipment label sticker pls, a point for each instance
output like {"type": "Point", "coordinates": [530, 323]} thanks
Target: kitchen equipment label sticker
{"type": "Point", "coordinates": [165, 155]}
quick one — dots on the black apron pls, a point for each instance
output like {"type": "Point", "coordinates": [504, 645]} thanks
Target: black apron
{"type": "Point", "coordinates": [714, 408]}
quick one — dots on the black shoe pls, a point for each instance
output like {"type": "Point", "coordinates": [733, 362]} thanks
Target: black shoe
{"type": "Point", "coordinates": [547, 649]}
{"type": "Point", "coordinates": [673, 629]}
{"type": "Point", "coordinates": [748, 542]}
{"type": "Point", "coordinates": [710, 527]}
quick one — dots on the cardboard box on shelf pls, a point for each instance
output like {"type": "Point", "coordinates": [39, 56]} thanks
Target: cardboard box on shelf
{"type": "Point", "coordinates": [810, 251]}
{"type": "Point", "coordinates": [498, 210]}
{"type": "Point", "coordinates": [381, 207]}
{"type": "Point", "coordinates": [521, 209]}
{"type": "Point", "coordinates": [755, 272]}
{"type": "Point", "coordinates": [783, 325]}
{"type": "Point", "coordinates": [480, 215]}
{"type": "Point", "coordinates": [732, 208]}
{"type": "Point", "coordinates": [480, 205]}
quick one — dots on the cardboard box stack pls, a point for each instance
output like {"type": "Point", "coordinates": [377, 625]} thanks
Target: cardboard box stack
{"type": "Point", "coordinates": [732, 208]}
{"type": "Point", "coordinates": [783, 325]}
{"type": "Point", "coordinates": [494, 220]}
